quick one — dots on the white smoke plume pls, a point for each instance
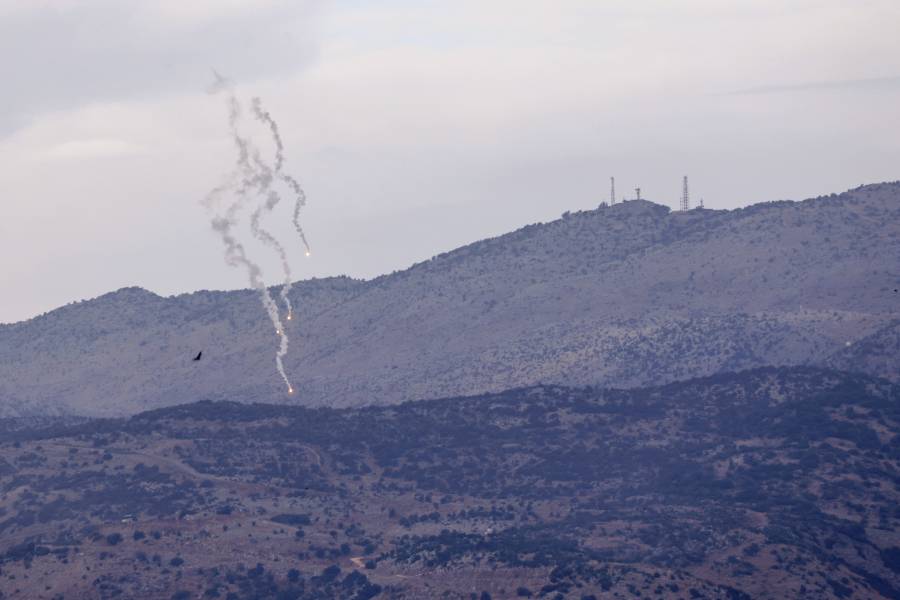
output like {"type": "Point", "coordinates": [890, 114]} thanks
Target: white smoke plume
{"type": "Point", "coordinates": [253, 179]}
{"type": "Point", "coordinates": [269, 240]}
{"type": "Point", "coordinates": [259, 178]}
{"type": "Point", "coordinates": [237, 257]}
{"type": "Point", "coordinates": [263, 116]}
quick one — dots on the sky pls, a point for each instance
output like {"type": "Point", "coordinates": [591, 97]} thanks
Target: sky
{"type": "Point", "coordinates": [414, 126]}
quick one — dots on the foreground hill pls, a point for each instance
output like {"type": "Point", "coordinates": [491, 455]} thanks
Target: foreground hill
{"type": "Point", "coordinates": [627, 295]}
{"type": "Point", "coordinates": [771, 483]}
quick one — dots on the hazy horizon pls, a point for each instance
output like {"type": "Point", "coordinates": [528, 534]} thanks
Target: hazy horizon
{"type": "Point", "coordinates": [414, 128]}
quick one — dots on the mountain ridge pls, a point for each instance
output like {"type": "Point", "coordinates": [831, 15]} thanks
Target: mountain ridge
{"type": "Point", "coordinates": [622, 295]}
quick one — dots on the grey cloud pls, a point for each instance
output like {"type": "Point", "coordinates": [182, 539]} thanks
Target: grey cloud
{"type": "Point", "coordinates": [872, 84]}
{"type": "Point", "coordinates": [109, 50]}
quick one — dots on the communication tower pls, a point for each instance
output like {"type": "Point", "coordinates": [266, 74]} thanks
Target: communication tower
{"type": "Point", "coordinates": [637, 193]}
{"type": "Point", "coordinates": [685, 198]}
{"type": "Point", "coordinates": [612, 191]}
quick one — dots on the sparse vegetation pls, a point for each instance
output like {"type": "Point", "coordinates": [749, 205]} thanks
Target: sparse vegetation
{"type": "Point", "coordinates": [699, 489]}
{"type": "Point", "coordinates": [623, 296]}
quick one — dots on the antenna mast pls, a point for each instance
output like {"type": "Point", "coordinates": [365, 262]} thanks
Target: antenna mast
{"type": "Point", "coordinates": [612, 191]}
{"type": "Point", "coordinates": [685, 198]}
{"type": "Point", "coordinates": [637, 192]}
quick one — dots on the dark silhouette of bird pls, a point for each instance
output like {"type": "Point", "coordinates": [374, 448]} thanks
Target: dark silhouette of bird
{"type": "Point", "coordinates": [199, 354]}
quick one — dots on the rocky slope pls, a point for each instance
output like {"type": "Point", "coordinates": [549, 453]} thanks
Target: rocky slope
{"type": "Point", "coordinates": [766, 484]}
{"type": "Point", "coordinates": [626, 295]}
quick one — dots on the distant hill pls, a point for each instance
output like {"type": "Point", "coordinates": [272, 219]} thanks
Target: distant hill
{"type": "Point", "coordinates": [876, 354]}
{"type": "Point", "coordinates": [766, 484]}
{"type": "Point", "coordinates": [627, 295]}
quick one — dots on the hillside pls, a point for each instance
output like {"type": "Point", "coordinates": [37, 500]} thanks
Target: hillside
{"type": "Point", "coordinates": [627, 295]}
{"type": "Point", "coordinates": [771, 483]}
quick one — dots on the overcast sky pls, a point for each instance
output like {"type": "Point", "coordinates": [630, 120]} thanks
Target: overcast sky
{"type": "Point", "coordinates": [415, 126]}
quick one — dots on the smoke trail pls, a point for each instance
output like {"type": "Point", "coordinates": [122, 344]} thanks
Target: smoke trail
{"type": "Point", "coordinates": [250, 174]}
{"type": "Point", "coordinates": [272, 199]}
{"type": "Point", "coordinates": [263, 116]}
{"type": "Point", "coordinates": [236, 256]}
{"type": "Point", "coordinates": [259, 176]}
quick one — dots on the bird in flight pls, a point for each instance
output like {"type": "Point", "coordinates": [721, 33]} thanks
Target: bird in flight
{"type": "Point", "coordinates": [199, 354]}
